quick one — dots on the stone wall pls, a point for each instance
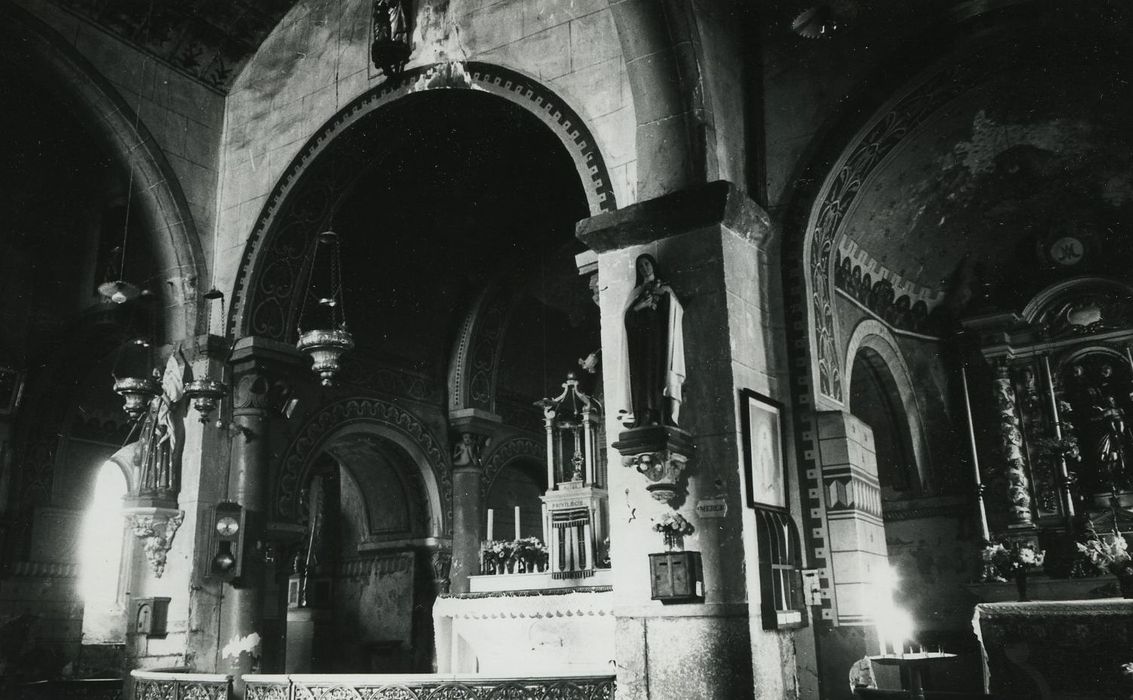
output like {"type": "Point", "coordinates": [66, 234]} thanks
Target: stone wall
{"type": "Point", "coordinates": [317, 61]}
{"type": "Point", "coordinates": [184, 117]}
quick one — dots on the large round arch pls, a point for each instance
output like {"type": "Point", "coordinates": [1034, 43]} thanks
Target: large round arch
{"type": "Point", "coordinates": [874, 349]}
{"type": "Point", "coordinates": [382, 419]}
{"type": "Point", "coordinates": [320, 176]}
{"type": "Point", "coordinates": [37, 51]}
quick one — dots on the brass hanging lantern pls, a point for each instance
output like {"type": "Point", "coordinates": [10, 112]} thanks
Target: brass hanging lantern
{"type": "Point", "coordinates": [138, 387]}
{"type": "Point", "coordinates": [205, 394]}
{"type": "Point", "coordinates": [328, 340]}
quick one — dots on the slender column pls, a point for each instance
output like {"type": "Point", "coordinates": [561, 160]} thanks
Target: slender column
{"type": "Point", "coordinates": [980, 507]}
{"type": "Point", "coordinates": [548, 422]}
{"type": "Point", "coordinates": [242, 630]}
{"type": "Point", "coordinates": [1011, 438]}
{"type": "Point", "coordinates": [588, 441]}
{"type": "Point", "coordinates": [471, 429]}
{"type": "Point", "coordinates": [467, 512]}
{"type": "Point", "coordinates": [1056, 418]}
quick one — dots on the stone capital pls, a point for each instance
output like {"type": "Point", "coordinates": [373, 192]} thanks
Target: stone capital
{"type": "Point", "coordinates": [718, 203]}
{"type": "Point", "coordinates": [475, 421]}
{"type": "Point", "coordinates": [256, 354]}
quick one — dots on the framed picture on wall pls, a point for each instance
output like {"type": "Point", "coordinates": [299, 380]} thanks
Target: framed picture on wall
{"type": "Point", "coordinates": [761, 418]}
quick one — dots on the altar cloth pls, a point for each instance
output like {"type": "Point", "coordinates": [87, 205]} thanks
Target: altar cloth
{"type": "Point", "coordinates": [1061, 650]}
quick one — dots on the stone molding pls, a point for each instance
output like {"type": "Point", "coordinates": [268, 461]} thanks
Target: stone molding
{"type": "Point", "coordinates": [571, 604]}
{"type": "Point", "coordinates": [718, 203]}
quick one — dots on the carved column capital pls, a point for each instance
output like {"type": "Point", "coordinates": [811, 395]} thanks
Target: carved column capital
{"type": "Point", "coordinates": [472, 430]}
{"type": "Point", "coordinates": [155, 527]}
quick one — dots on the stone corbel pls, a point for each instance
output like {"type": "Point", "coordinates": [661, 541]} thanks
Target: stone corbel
{"type": "Point", "coordinates": [440, 560]}
{"type": "Point", "coordinates": [661, 454]}
{"type": "Point", "coordinates": [155, 527]}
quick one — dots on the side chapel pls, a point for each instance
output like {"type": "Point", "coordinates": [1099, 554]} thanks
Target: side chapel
{"type": "Point", "coordinates": [566, 349]}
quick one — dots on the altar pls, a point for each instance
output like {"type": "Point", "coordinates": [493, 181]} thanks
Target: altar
{"type": "Point", "coordinates": [1063, 650]}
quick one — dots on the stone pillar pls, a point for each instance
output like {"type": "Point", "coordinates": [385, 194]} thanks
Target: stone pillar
{"type": "Point", "coordinates": [857, 554]}
{"type": "Point", "coordinates": [256, 363]}
{"type": "Point", "coordinates": [471, 428]}
{"type": "Point", "coordinates": [714, 248]}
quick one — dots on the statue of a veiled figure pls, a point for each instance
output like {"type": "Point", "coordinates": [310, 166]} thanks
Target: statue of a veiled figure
{"type": "Point", "coordinates": [655, 348]}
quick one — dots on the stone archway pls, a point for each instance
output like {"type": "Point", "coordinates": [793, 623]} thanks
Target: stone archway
{"type": "Point", "coordinates": [309, 191]}
{"type": "Point", "coordinates": [34, 49]}
{"type": "Point", "coordinates": [385, 419]}
{"type": "Point", "coordinates": [872, 343]}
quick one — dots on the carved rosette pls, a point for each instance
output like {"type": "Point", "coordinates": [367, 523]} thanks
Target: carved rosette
{"type": "Point", "coordinates": [155, 527]}
{"type": "Point", "coordinates": [1011, 441]}
{"type": "Point", "coordinates": [661, 454]}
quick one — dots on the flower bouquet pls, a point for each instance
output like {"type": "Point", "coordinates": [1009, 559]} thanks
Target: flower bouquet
{"type": "Point", "coordinates": [1016, 561]}
{"type": "Point", "coordinates": [673, 527]}
{"type": "Point", "coordinates": [1110, 553]}
{"type": "Point", "coordinates": [513, 556]}
{"type": "Point", "coordinates": [530, 554]}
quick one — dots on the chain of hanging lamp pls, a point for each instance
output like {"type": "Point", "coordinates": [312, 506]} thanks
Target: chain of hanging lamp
{"type": "Point", "coordinates": [325, 345]}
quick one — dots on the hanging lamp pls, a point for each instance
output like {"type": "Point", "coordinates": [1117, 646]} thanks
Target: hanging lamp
{"type": "Point", "coordinates": [328, 340]}
{"type": "Point", "coordinates": [136, 388]}
{"type": "Point", "coordinates": [206, 393]}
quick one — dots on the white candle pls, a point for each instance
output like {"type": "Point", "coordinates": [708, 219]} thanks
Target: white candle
{"type": "Point", "coordinates": [517, 522]}
{"type": "Point", "coordinates": [491, 522]}
{"type": "Point", "coordinates": [881, 639]}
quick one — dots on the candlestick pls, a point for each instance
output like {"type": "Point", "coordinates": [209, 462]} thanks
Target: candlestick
{"type": "Point", "coordinates": [1067, 497]}
{"type": "Point", "coordinates": [491, 522]}
{"type": "Point", "coordinates": [517, 522]}
{"type": "Point", "coordinates": [975, 458]}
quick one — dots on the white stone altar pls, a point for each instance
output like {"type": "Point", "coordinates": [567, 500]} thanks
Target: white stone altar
{"type": "Point", "coordinates": [1056, 650]}
{"type": "Point", "coordinates": [533, 632]}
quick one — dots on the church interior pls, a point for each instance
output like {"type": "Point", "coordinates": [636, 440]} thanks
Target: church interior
{"type": "Point", "coordinates": [566, 349]}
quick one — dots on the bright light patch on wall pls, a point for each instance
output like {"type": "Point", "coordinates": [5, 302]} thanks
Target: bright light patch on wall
{"type": "Point", "coordinates": [100, 549]}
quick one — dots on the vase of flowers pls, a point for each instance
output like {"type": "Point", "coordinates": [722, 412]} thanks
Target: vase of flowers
{"type": "Point", "coordinates": [1109, 553]}
{"type": "Point", "coordinates": [673, 528]}
{"type": "Point", "coordinates": [1016, 561]}
{"type": "Point", "coordinates": [526, 555]}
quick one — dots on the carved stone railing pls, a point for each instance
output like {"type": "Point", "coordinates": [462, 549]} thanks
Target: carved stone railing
{"type": "Point", "coordinates": [426, 687]}
{"type": "Point", "coordinates": [157, 685]}
{"type": "Point", "coordinates": [84, 689]}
